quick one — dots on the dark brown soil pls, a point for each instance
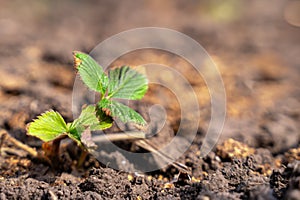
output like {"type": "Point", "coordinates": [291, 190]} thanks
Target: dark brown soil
{"type": "Point", "coordinates": [256, 47]}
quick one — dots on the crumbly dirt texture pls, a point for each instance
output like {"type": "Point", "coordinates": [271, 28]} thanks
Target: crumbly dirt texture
{"type": "Point", "coordinates": [255, 45]}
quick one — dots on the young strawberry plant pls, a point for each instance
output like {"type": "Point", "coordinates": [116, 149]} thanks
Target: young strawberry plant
{"type": "Point", "coordinates": [119, 83]}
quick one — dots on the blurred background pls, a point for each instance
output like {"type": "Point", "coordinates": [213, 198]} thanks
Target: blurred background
{"type": "Point", "coordinates": [256, 45]}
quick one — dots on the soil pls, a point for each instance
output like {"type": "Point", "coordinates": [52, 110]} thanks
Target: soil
{"type": "Point", "coordinates": [255, 46]}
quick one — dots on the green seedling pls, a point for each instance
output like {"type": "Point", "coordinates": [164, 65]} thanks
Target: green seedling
{"type": "Point", "coordinates": [119, 83]}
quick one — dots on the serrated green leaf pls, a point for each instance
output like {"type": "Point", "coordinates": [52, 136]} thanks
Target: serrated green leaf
{"type": "Point", "coordinates": [90, 72]}
{"type": "Point", "coordinates": [126, 83]}
{"type": "Point", "coordinates": [121, 111]}
{"type": "Point", "coordinates": [48, 126]}
{"type": "Point", "coordinates": [87, 119]}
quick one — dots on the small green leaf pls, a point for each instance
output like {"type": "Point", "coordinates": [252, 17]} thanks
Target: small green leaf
{"type": "Point", "coordinates": [124, 113]}
{"type": "Point", "coordinates": [126, 83]}
{"type": "Point", "coordinates": [75, 132]}
{"type": "Point", "coordinates": [48, 126]}
{"type": "Point", "coordinates": [91, 73]}
{"type": "Point", "coordinates": [87, 119]}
